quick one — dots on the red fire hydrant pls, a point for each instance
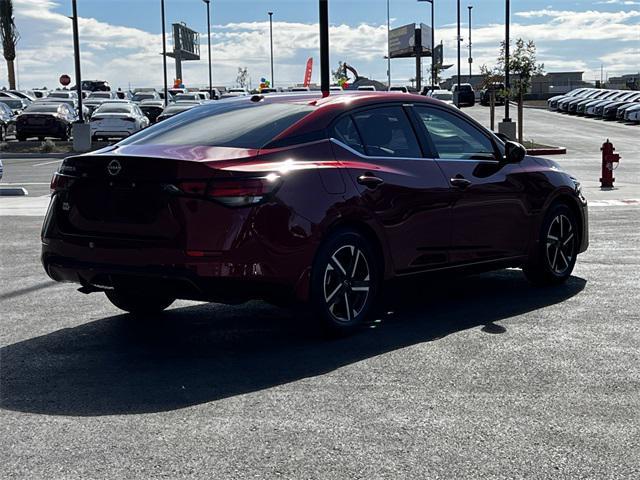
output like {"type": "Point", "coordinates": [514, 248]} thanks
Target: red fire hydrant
{"type": "Point", "coordinates": [608, 160]}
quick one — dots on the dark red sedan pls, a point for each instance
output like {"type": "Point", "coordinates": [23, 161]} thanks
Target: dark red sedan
{"type": "Point", "coordinates": [295, 197]}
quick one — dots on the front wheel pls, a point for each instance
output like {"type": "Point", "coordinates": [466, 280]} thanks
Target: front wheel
{"type": "Point", "coordinates": [555, 256]}
{"type": "Point", "coordinates": [344, 282]}
{"type": "Point", "coordinates": [139, 303]}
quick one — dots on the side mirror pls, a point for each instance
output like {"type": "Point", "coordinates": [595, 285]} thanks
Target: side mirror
{"type": "Point", "coordinates": [514, 152]}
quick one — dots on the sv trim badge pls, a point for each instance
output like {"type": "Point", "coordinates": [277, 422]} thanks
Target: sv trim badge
{"type": "Point", "coordinates": [114, 167]}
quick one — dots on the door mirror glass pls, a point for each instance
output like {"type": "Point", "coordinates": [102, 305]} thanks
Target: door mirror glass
{"type": "Point", "coordinates": [514, 152]}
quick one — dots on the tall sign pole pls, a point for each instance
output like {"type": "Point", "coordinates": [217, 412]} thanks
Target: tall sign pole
{"type": "Point", "coordinates": [324, 47]}
{"type": "Point", "coordinates": [164, 54]}
{"type": "Point", "coordinates": [209, 44]}
{"type": "Point", "coordinates": [76, 55]}
{"type": "Point", "coordinates": [507, 83]}
{"type": "Point", "coordinates": [470, 7]}
{"type": "Point", "coordinates": [273, 82]}
{"type": "Point", "coordinates": [388, 48]}
{"type": "Point", "coordinates": [458, 92]}
{"type": "Point", "coordinates": [433, 45]}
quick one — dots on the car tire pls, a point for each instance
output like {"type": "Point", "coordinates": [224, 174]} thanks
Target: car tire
{"type": "Point", "coordinates": [345, 281]}
{"type": "Point", "coordinates": [138, 303]}
{"type": "Point", "coordinates": [554, 258]}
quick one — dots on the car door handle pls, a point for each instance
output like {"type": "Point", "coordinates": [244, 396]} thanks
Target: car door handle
{"type": "Point", "coordinates": [370, 181]}
{"type": "Point", "coordinates": [460, 182]}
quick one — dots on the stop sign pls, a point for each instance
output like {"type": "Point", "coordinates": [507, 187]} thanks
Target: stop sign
{"type": "Point", "coordinates": [65, 80]}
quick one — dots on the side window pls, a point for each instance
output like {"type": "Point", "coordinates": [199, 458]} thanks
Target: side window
{"type": "Point", "coordinates": [345, 132]}
{"type": "Point", "coordinates": [453, 137]}
{"type": "Point", "coordinates": [386, 132]}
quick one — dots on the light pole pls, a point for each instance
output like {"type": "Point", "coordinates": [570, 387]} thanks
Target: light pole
{"type": "Point", "coordinates": [209, 44]}
{"type": "Point", "coordinates": [273, 83]}
{"type": "Point", "coordinates": [507, 127]}
{"type": "Point", "coordinates": [164, 54]}
{"type": "Point", "coordinates": [470, 7]}
{"type": "Point", "coordinates": [457, 97]}
{"type": "Point", "coordinates": [388, 49]}
{"type": "Point", "coordinates": [433, 42]}
{"type": "Point", "coordinates": [324, 46]}
{"type": "Point", "coordinates": [76, 54]}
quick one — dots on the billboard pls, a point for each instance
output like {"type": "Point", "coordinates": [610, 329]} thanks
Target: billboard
{"type": "Point", "coordinates": [425, 33]}
{"type": "Point", "coordinates": [402, 41]}
{"type": "Point", "coordinates": [186, 42]}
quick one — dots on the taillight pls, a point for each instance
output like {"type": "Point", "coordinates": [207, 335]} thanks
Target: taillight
{"type": "Point", "coordinates": [60, 182]}
{"type": "Point", "coordinates": [235, 192]}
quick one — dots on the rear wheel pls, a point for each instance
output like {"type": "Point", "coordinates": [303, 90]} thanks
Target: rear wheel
{"type": "Point", "coordinates": [555, 256]}
{"type": "Point", "coordinates": [344, 282]}
{"type": "Point", "coordinates": [139, 303]}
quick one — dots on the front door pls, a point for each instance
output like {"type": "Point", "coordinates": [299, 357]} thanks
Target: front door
{"type": "Point", "coordinates": [489, 214]}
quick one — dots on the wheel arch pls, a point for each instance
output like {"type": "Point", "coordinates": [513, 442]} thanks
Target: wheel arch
{"type": "Point", "coordinates": [567, 198]}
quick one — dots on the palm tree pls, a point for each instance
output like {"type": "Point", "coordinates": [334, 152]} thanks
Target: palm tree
{"type": "Point", "coordinates": [9, 37]}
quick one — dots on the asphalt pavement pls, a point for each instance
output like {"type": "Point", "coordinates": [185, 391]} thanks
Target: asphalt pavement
{"type": "Point", "coordinates": [481, 377]}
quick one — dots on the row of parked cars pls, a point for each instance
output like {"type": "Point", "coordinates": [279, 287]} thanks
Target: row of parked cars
{"type": "Point", "coordinates": [622, 105]}
{"type": "Point", "coordinates": [111, 114]}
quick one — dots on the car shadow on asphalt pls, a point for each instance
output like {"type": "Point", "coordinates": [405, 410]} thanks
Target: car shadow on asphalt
{"type": "Point", "coordinates": [207, 352]}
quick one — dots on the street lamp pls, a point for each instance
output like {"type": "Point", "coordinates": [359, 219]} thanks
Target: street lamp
{"type": "Point", "coordinates": [388, 49]}
{"type": "Point", "coordinates": [209, 43]}
{"type": "Point", "coordinates": [457, 96]}
{"type": "Point", "coordinates": [273, 83]}
{"type": "Point", "coordinates": [433, 42]}
{"type": "Point", "coordinates": [76, 55]}
{"type": "Point", "coordinates": [470, 7]}
{"type": "Point", "coordinates": [164, 54]}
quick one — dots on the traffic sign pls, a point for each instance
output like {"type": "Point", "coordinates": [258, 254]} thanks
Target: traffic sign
{"type": "Point", "coordinates": [65, 80]}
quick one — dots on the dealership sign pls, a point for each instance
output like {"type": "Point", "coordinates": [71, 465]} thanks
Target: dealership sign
{"type": "Point", "coordinates": [407, 41]}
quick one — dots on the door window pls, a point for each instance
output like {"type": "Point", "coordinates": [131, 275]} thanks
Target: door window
{"type": "Point", "coordinates": [345, 131]}
{"type": "Point", "coordinates": [455, 138]}
{"type": "Point", "coordinates": [386, 132]}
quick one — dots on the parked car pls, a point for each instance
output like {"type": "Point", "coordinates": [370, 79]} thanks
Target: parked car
{"type": "Point", "coordinates": [95, 85]}
{"type": "Point", "coordinates": [498, 94]}
{"type": "Point", "coordinates": [71, 102]}
{"type": "Point", "coordinates": [583, 107]}
{"type": "Point", "coordinates": [335, 88]}
{"type": "Point", "coordinates": [466, 95]}
{"type": "Point", "coordinates": [176, 108]}
{"type": "Point", "coordinates": [175, 91]}
{"type": "Point", "coordinates": [443, 95]}
{"type": "Point", "coordinates": [7, 121]}
{"type": "Point", "coordinates": [40, 93]}
{"type": "Point", "coordinates": [398, 89]}
{"type": "Point", "coordinates": [64, 94]}
{"type": "Point", "coordinates": [609, 110]}
{"type": "Point", "coordinates": [189, 97]}
{"type": "Point", "coordinates": [299, 89]}
{"type": "Point", "coordinates": [117, 120]}
{"type": "Point", "coordinates": [570, 105]}
{"type": "Point", "coordinates": [151, 109]}
{"type": "Point", "coordinates": [17, 105]}
{"type": "Point", "coordinates": [95, 99]}
{"type": "Point", "coordinates": [123, 94]}
{"type": "Point", "coordinates": [621, 112]}
{"type": "Point", "coordinates": [366, 88]}
{"type": "Point", "coordinates": [245, 199]}
{"type": "Point", "coordinates": [552, 103]}
{"type": "Point", "coordinates": [139, 96]}
{"type": "Point", "coordinates": [632, 114]}
{"type": "Point", "coordinates": [27, 95]}
{"type": "Point", "coordinates": [7, 94]}
{"type": "Point", "coordinates": [45, 119]}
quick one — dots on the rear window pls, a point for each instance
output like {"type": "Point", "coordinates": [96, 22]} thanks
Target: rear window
{"type": "Point", "coordinates": [186, 96]}
{"type": "Point", "coordinates": [142, 96]}
{"type": "Point", "coordinates": [228, 124]}
{"type": "Point", "coordinates": [100, 95]}
{"type": "Point", "coordinates": [114, 109]}
{"type": "Point", "coordinates": [59, 94]}
{"type": "Point", "coordinates": [43, 108]}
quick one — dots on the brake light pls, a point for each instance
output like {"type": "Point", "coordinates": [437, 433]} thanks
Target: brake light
{"type": "Point", "coordinates": [59, 182]}
{"type": "Point", "coordinates": [236, 192]}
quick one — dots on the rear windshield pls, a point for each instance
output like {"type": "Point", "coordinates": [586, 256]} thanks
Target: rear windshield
{"type": "Point", "coordinates": [114, 109]}
{"type": "Point", "coordinates": [100, 95]}
{"type": "Point", "coordinates": [226, 124]}
{"type": "Point", "coordinates": [186, 96]}
{"type": "Point", "coordinates": [44, 108]}
{"type": "Point", "coordinates": [142, 96]}
{"type": "Point", "coordinates": [59, 94]}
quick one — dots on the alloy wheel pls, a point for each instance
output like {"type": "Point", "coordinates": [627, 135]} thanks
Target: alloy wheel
{"type": "Point", "coordinates": [347, 280]}
{"type": "Point", "coordinates": [560, 244]}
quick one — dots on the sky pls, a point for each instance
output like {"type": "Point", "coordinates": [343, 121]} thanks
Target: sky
{"type": "Point", "coordinates": [120, 40]}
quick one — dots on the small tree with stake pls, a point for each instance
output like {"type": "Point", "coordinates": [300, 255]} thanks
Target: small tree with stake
{"type": "Point", "coordinates": [9, 37]}
{"type": "Point", "coordinates": [491, 76]}
{"type": "Point", "coordinates": [523, 67]}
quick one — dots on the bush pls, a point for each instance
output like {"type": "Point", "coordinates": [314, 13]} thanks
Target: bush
{"type": "Point", "coordinates": [47, 146]}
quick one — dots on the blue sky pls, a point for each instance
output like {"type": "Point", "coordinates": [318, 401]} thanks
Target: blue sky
{"type": "Point", "coordinates": [120, 38]}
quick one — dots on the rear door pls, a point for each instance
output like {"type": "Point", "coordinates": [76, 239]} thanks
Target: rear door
{"type": "Point", "coordinates": [405, 192]}
{"type": "Point", "coordinates": [489, 215]}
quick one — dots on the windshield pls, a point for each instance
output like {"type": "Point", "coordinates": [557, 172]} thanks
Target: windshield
{"type": "Point", "coordinates": [114, 108]}
{"type": "Point", "coordinates": [12, 103]}
{"type": "Point", "coordinates": [142, 96]}
{"type": "Point", "coordinates": [238, 125]}
{"type": "Point", "coordinates": [42, 108]}
{"type": "Point", "coordinates": [100, 95]}
{"type": "Point", "coordinates": [186, 96]}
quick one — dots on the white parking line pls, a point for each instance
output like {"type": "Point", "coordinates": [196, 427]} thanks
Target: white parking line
{"type": "Point", "coordinates": [615, 203]}
{"type": "Point", "coordinates": [47, 163]}
{"type": "Point", "coordinates": [20, 184]}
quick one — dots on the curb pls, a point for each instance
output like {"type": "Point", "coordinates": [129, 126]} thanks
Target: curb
{"type": "Point", "coordinates": [13, 191]}
{"type": "Point", "coordinates": [547, 151]}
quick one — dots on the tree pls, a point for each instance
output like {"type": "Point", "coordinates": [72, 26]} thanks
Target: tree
{"type": "Point", "coordinates": [9, 37]}
{"type": "Point", "coordinates": [523, 67]}
{"type": "Point", "coordinates": [243, 77]}
{"type": "Point", "coordinates": [491, 76]}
